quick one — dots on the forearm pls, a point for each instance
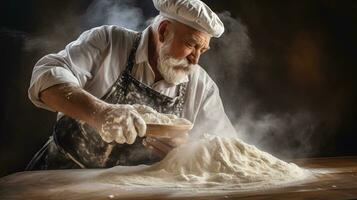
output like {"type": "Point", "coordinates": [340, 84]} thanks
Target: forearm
{"type": "Point", "coordinates": [73, 101]}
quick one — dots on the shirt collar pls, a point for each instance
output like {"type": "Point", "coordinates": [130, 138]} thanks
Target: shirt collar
{"type": "Point", "coordinates": [142, 53]}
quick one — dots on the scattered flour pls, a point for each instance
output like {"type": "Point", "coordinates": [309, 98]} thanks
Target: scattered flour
{"type": "Point", "coordinates": [151, 116]}
{"type": "Point", "coordinates": [209, 161]}
{"type": "Point", "coordinates": [213, 161]}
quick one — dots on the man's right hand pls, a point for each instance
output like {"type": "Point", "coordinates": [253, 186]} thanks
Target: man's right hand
{"type": "Point", "coordinates": [120, 123]}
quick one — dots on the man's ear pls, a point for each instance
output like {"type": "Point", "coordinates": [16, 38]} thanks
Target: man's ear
{"type": "Point", "coordinates": [163, 30]}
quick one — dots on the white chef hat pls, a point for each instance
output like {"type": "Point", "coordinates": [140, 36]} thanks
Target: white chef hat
{"type": "Point", "coordinates": [193, 13]}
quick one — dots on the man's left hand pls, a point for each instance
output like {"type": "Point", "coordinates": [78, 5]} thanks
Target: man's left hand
{"type": "Point", "coordinates": [162, 146]}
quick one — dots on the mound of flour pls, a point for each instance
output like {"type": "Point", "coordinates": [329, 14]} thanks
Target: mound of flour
{"type": "Point", "coordinates": [228, 160]}
{"type": "Point", "coordinates": [215, 162]}
{"type": "Point", "coordinates": [151, 116]}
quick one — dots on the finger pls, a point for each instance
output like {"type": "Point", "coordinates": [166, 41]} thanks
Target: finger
{"type": "Point", "coordinates": [107, 137]}
{"type": "Point", "coordinates": [119, 136]}
{"type": "Point", "coordinates": [131, 133]}
{"type": "Point", "coordinates": [140, 125]}
{"type": "Point", "coordinates": [154, 150]}
{"type": "Point", "coordinates": [157, 152]}
{"type": "Point", "coordinates": [158, 144]}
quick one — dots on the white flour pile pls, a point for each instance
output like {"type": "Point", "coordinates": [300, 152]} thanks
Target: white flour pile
{"type": "Point", "coordinates": [151, 116]}
{"type": "Point", "coordinates": [213, 162]}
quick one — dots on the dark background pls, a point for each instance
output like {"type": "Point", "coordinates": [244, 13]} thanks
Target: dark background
{"type": "Point", "coordinates": [300, 79]}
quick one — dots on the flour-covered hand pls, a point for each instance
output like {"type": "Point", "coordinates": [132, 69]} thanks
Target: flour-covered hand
{"type": "Point", "coordinates": [162, 146]}
{"type": "Point", "coordinates": [120, 123]}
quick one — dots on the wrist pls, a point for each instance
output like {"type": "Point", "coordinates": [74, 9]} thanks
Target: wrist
{"type": "Point", "coordinates": [97, 116]}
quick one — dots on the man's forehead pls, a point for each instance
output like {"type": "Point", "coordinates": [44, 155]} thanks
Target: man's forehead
{"type": "Point", "coordinates": [199, 39]}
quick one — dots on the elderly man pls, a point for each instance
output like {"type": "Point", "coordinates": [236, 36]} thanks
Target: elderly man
{"type": "Point", "coordinates": [109, 68]}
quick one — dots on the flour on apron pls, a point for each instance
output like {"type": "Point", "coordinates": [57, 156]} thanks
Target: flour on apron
{"type": "Point", "coordinates": [77, 145]}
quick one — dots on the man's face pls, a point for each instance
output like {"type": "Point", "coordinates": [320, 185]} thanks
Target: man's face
{"type": "Point", "coordinates": [180, 52]}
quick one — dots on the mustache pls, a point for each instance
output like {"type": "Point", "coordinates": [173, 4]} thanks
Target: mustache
{"type": "Point", "coordinates": [180, 64]}
{"type": "Point", "coordinates": [186, 68]}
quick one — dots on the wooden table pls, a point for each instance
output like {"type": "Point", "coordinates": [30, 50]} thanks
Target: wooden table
{"type": "Point", "coordinates": [339, 183]}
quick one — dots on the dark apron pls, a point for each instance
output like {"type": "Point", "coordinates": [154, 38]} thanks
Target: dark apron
{"type": "Point", "coordinates": [77, 145]}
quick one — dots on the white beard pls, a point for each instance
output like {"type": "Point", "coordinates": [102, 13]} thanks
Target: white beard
{"type": "Point", "coordinates": [173, 70]}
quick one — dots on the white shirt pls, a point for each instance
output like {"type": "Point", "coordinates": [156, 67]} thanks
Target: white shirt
{"type": "Point", "coordinates": [98, 57]}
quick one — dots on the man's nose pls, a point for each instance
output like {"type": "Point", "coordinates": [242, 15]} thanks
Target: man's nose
{"type": "Point", "coordinates": [194, 57]}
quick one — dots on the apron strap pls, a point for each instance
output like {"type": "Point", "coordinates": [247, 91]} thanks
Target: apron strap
{"type": "Point", "coordinates": [39, 156]}
{"type": "Point", "coordinates": [129, 65]}
{"type": "Point", "coordinates": [131, 58]}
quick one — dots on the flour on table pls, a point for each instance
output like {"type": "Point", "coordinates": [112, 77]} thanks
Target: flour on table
{"type": "Point", "coordinates": [209, 161]}
{"type": "Point", "coordinates": [213, 161]}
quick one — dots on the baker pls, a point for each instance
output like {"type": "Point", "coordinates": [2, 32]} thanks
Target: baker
{"type": "Point", "coordinates": [93, 82]}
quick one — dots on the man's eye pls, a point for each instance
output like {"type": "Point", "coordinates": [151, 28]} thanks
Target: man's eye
{"type": "Point", "coordinates": [190, 44]}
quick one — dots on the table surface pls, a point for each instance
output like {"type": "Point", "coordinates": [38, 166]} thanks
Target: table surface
{"type": "Point", "coordinates": [340, 182]}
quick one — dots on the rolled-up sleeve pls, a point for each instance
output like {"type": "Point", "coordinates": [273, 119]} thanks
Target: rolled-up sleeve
{"type": "Point", "coordinates": [75, 64]}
